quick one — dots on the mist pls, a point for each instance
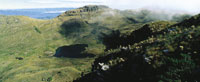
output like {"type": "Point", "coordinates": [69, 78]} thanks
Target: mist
{"type": "Point", "coordinates": [187, 6]}
{"type": "Point", "coordinates": [177, 6]}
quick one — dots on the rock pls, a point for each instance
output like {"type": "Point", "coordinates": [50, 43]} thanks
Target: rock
{"type": "Point", "coordinates": [48, 53]}
{"type": "Point", "coordinates": [104, 67]}
{"type": "Point", "coordinates": [166, 51]}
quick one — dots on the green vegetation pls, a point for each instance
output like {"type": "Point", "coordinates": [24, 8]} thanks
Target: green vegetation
{"type": "Point", "coordinates": [179, 18]}
{"type": "Point", "coordinates": [142, 44]}
{"type": "Point", "coordinates": [37, 30]}
{"type": "Point", "coordinates": [167, 54]}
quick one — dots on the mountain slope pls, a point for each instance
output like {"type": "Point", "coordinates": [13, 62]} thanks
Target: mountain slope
{"type": "Point", "coordinates": [170, 55]}
{"type": "Point", "coordinates": [28, 45]}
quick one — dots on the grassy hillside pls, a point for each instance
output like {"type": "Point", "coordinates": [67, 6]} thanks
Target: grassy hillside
{"type": "Point", "coordinates": [27, 49]}
{"type": "Point", "coordinates": [36, 47]}
{"type": "Point", "coordinates": [28, 45]}
{"type": "Point", "coordinates": [166, 52]}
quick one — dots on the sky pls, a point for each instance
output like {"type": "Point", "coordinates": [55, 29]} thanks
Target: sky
{"type": "Point", "coordinates": [176, 5]}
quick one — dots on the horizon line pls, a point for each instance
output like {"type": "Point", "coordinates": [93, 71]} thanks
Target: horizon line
{"type": "Point", "coordinates": [37, 8]}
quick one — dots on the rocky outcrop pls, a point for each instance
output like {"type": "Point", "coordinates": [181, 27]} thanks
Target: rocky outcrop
{"type": "Point", "coordinates": [85, 9]}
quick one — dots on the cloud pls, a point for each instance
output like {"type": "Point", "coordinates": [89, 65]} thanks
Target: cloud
{"type": "Point", "coordinates": [180, 5]}
{"type": "Point", "coordinates": [82, 1]}
{"type": "Point", "coordinates": [43, 1]}
{"type": "Point", "coordinates": [63, 1]}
